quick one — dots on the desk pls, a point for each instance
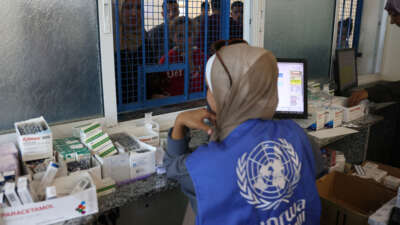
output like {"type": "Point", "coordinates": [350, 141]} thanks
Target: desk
{"type": "Point", "coordinates": [128, 193]}
{"type": "Point", "coordinates": [385, 136]}
{"type": "Point", "coordinates": [354, 146]}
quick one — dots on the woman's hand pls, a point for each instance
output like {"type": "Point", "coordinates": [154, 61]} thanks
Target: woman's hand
{"type": "Point", "coordinates": [193, 119]}
{"type": "Point", "coordinates": [356, 97]}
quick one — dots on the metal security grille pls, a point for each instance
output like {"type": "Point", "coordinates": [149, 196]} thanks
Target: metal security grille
{"type": "Point", "coordinates": [162, 47]}
{"type": "Point", "coordinates": [348, 27]}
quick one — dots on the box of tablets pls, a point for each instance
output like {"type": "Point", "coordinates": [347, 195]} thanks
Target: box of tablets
{"type": "Point", "coordinates": [35, 139]}
{"type": "Point", "coordinates": [349, 113]}
{"type": "Point", "coordinates": [333, 117]}
{"type": "Point", "coordinates": [86, 130]}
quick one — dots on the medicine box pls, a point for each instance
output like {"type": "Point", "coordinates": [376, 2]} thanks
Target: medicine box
{"type": "Point", "coordinates": [385, 175]}
{"type": "Point", "coordinates": [35, 146]}
{"type": "Point", "coordinates": [143, 163]}
{"type": "Point", "coordinates": [333, 117]}
{"type": "Point", "coordinates": [2, 204]}
{"type": "Point", "coordinates": [349, 113]}
{"type": "Point", "coordinates": [86, 130]}
{"type": "Point", "coordinates": [127, 166]}
{"type": "Point", "coordinates": [100, 144]}
{"type": "Point", "coordinates": [65, 207]}
{"type": "Point", "coordinates": [11, 195]}
{"type": "Point", "coordinates": [71, 149]}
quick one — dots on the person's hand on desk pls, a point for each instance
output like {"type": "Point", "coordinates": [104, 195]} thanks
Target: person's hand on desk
{"type": "Point", "coordinates": [356, 97]}
{"type": "Point", "coordinates": [193, 119]}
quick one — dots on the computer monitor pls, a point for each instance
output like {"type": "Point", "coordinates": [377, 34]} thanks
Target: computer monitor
{"type": "Point", "coordinates": [345, 71]}
{"type": "Point", "coordinates": [292, 89]}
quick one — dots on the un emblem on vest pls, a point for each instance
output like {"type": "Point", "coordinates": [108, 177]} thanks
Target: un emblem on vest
{"type": "Point", "coordinates": [269, 174]}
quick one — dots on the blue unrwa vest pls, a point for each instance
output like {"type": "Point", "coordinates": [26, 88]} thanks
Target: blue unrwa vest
{"type": "Point", "coordinates": [261, 174]}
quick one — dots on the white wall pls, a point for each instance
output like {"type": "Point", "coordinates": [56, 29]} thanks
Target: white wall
{"type": "Point", "coordinates": [391, 53]}
{"type": "Point", "coordinates": [369, 33]}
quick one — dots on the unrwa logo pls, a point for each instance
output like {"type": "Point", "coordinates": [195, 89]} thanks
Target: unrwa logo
{"type": "Point", "coordinates": [269, 174]}
{"type": "Point", "coordinates": [81, 208]}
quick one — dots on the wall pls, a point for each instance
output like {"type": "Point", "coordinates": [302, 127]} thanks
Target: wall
{"type": "Point", "coordinates": [372, 14]}
{"type": "Point", "coordinates": [301, 29]}
{"type": "Point", "coordinates": [391, 53]}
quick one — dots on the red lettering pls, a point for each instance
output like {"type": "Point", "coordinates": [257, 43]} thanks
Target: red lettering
{"type": "Point", "coordinates": [355, 109]}
{"type": "Point", "coordinates": [31, 138]}
{"type": "Point", "coordinates": [27, 211]}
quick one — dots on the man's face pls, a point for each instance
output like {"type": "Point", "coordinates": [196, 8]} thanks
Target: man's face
{"type": "Point", "coordinates": [172, 11]}
{"type": "Point", "coordinates": [395, 19]}
{"type": "Point", "coordinates": [237, 14]}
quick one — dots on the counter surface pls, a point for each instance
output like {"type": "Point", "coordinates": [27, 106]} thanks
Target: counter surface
{"type": "Point", "coordinates": [128, 193]}
{"type": "Point", "coordinates": [353, 146]}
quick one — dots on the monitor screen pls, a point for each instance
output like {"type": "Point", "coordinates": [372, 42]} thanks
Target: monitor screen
{"type": "Point", "coordinates": [346, 70]}
{"type": "Point", "coordinates": [292, 91]}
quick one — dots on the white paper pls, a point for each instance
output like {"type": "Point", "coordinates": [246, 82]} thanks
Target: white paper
{"type": "Point", "coordinates": [333, 132]}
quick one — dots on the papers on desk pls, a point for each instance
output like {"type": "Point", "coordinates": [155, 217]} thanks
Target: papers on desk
{"type": "Point", "coordinates": [330, 133]}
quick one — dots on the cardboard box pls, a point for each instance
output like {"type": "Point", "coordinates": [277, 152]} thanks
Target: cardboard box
{"type": "Point", "coordinates": [35, 146]}
{"type": "Point", "coordinates": [350, 200]}
{"type": "Point", "coordinates": [381, 216]}
{"type": "Point", "coordinates": [56, 210]}
{"type": "Point", "coordinates": [349, 113]}
{"type": "Point", "coordinates": [124, 167]}
{"type": "Point", "coordinates": [143, 163]}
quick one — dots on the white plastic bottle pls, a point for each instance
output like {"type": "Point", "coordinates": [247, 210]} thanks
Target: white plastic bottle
{"type": "Point", "coordinates": [151, 131]}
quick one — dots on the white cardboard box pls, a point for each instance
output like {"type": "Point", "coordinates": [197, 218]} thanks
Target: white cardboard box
{"type": "Point", "coordinates": [349, 113]}
{"type": "Point", "coordinates": [128, 166]}
{"type": "Point", "coordinates": [35, 146]}
{"type": "Point", "coordinates": [56, 210]}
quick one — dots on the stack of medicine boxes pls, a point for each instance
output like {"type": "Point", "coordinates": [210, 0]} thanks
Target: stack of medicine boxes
{"type": "Point", "coordinates": [96, 139]}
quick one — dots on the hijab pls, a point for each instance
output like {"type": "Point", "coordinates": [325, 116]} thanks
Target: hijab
{"type": "Point", "coordinates": [251, 93]}
{"type": "Point", "coordinates": [393, 6]}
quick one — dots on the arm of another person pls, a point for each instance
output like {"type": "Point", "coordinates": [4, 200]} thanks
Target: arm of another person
{"type": "Point", "coordinates": [386, 92]}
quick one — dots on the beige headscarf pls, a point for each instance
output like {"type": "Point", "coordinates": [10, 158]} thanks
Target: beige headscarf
{"type": "Point", "coordinates": [253, 94]}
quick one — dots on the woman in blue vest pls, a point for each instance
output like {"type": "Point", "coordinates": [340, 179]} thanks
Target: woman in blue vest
{"type": "Point", "coordinates": [255, 170]}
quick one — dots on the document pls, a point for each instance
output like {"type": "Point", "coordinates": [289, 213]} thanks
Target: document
{"type": "Point", "coordinates": [333, 132]}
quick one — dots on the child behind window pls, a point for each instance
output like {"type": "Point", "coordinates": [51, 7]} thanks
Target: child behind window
{"type": "Point", "coordinates": [176, 79]}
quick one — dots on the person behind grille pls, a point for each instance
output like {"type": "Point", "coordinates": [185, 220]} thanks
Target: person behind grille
{"type": "Point", "coordinates": [130, 36]}
{"type": "Point", "coordinates": [177, 54]}
{"type": "Point", "coordinates": [347, 29]}
{"type": "Point", "coordinates": [236, 21]}
{"type": "Point", "coordinates": [198, 20]}
{"type": "Point", "coordinates": [156, 35]}
{"type": "Point", "coordinates": [213, 28]}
